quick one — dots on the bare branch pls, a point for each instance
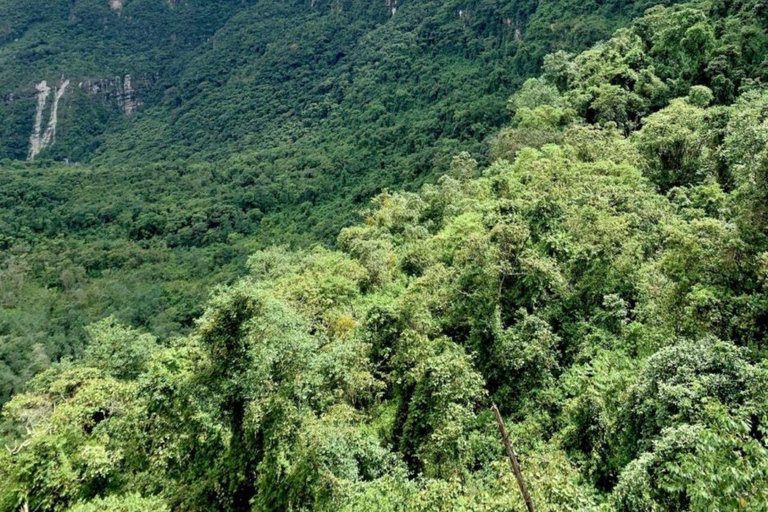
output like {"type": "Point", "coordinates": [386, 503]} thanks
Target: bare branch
{"type": "Point", "coordinates": [513, 459]}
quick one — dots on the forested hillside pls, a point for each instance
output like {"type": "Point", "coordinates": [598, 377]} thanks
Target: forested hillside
{"type": "Point", "coordinates": [217, 79]}
{"type": "Point", "coordinates": [191, 134]}
{"type": "Point", "coordinates": [598, 270]}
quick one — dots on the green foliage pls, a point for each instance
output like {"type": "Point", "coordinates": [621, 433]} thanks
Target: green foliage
{"type": "Point", "coordinates": [74, 420]}
{"type": "Point", "coordinates": [261, 122]}
{"type": "Point", "coordinates": [128, 503]}
{"type": "Point", "coordinates": [673, 142]}
{"type": "Point", "coordinates": [603, 281]}
{"type": "Point", "coordinates": [123, 353]}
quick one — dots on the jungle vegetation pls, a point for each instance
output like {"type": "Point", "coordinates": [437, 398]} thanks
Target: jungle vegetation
{"type": "Point", "coordinates": [595, 262]}
{"type": "Point", "coordinates": [262, 123]}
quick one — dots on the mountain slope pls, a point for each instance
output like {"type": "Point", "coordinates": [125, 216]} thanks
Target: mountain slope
{"type": "Point", "coordinates": [603, 281]}
{"type": "Point", "coordinates": [94, 44]}
{"type": "Point", "coordinates": [251, 124]}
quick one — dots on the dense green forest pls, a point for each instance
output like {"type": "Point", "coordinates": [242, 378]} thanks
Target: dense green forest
{"type": "Point", "coordinates": [192, 319]}
{"type": "Point", "coordinates": [255, 124]}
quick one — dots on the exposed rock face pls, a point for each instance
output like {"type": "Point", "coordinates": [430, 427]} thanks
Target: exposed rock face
{"type": "Point", "coordinates": [124, 91]}
{"type": "Point", "coordinates": [118, 4]}
{"type": "Point", "coordinates": [36, 139]}
{"type": "Point", "coordinates": [40, 140]}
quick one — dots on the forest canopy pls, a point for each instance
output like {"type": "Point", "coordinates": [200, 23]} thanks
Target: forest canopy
{"type": "Point", "coordinates": [193, 133]}
{"type": "Point", "coordinates": [600, 274]}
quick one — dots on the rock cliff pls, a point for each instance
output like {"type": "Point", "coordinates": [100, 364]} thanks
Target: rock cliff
{"type": "Point", "coordinates": [40, 139]}
{"type": "Point", "coordinates": [124, 91]}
